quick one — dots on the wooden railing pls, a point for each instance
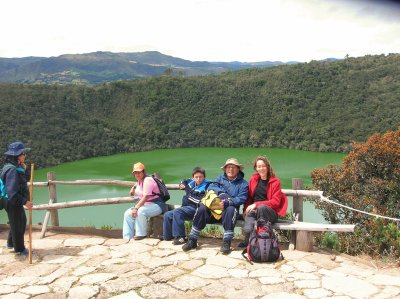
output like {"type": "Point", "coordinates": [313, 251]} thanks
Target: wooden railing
{"type": "Point", "coordinates": [301, 236]}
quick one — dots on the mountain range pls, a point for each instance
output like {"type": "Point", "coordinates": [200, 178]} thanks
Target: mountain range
{"type": "Point", "coordinates": [100, 67]}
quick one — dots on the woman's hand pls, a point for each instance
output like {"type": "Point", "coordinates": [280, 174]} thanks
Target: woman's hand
{"type": "Point", "coordinates": [29, 205]}
{"type": "Point", "coordinates": [132, 192]}
{"type": "Point", "coordinates": [250, 208]}
{"type": "Point", "coordinates": [134, 212]}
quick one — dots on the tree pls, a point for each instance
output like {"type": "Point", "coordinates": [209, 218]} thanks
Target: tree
{"type": "Point", "coordinates": [367, 180]}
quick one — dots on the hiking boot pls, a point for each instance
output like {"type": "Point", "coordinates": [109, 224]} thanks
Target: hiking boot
{"type": "Point", "coordinates": [243, 244]}
{"type": "Point", "coordinates": [179, 241]}
{"type": "Point", "coordinates": [190, 244]}
{"type": "Point", "coordinates": [226, 247]}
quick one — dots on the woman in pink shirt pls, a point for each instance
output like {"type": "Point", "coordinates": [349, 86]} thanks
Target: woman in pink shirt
{"type": "Point", "coordinates": [149, 204]}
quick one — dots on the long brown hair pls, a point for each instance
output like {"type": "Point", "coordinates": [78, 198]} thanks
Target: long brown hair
{"type": "Point", "coordinates": [270, 171]}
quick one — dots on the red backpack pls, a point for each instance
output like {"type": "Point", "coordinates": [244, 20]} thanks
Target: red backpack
{"type": "Point", "coordinates": [263, 244]}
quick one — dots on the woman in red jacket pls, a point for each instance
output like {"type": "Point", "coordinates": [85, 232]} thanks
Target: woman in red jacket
{"type": "Point", "coordinates": [265, 199]}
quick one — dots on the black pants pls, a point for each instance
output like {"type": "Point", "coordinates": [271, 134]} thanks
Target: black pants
{"type": "Point", "coordinates": [262, 211]}
{"type": "Point", "coordinates": [17, 220]}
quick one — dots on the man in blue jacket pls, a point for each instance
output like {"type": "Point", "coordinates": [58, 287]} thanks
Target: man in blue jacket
{"type": "Point", "coordinates": [232, 189]}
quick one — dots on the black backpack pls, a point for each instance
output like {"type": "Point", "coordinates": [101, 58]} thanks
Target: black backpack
{"type": "Point", "coordinates": [263, 244]}
{"type": "Point", "coordinates": [164, 194]}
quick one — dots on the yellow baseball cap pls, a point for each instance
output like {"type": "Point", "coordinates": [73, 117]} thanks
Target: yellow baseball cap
{"type": "Point", "coordinates": [138, 167]}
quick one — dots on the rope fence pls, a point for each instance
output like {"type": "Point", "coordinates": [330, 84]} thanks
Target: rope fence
{"type": "Point", "coordinates": [323, 198]}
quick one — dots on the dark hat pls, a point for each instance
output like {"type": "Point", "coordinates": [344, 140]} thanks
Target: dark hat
{"type": "Point", "coordinates": [16, 149]}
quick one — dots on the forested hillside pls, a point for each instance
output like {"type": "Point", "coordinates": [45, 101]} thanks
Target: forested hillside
{"type": "Point", "coordinates": [319, 106]}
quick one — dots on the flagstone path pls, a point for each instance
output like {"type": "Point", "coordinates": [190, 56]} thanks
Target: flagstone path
{"type": "Point", "coordinates": [79, 266]}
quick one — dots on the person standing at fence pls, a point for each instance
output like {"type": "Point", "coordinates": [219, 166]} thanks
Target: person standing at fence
{"type": "Point", "coordinates": [232, 189]}
{"type": "Point", "coordinates": [265, 199]}
{"type": "Point", "coordinates": [174, 221]}
{"type": "Point", "coordinates": [148, 205]}
{"type": "Point", "coordinates": [15, 176]}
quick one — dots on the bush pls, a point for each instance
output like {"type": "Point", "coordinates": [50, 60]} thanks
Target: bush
{"type": "Point", "coordinates": [368, 180]}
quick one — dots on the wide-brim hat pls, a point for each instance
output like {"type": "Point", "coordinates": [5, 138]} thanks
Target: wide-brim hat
{"type": "Point", "coordinates": [16, 149]}
{"type": "Point", "coordinates": [138, 167]}
{"type": "Point", "coordinates": [232, 161]}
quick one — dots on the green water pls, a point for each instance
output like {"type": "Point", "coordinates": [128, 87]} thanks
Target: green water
{"type": "Point", "coordinates": [173, 165]}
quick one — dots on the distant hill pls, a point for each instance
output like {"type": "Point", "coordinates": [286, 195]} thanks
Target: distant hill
{"type": "Point", "coordinates": [100, 67]}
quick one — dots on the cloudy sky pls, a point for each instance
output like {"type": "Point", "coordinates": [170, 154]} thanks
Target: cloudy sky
{"type": "Point", "coordinates": [202, 30]}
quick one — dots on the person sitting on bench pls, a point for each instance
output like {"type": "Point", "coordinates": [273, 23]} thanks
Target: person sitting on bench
{"type": "Point", "coordinates": [232, 189]}
{"type": "Point", "coordinates": [265, 200]}
{"type": "Point", "coordinates": [174, 221]}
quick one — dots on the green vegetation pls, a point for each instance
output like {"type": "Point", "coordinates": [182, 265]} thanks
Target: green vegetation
{"type": "Point", "coordinates": [368, 180]}
{"type": "Point", "coordinates": [330, 240]}
{"type": "Point", "coordinates": [317, 106]}
{"type": "Point", "coordinates": [106, 227]}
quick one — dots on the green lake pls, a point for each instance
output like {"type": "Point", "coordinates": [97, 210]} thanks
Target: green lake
{"type": "Point", "coordinates": [173, 165]}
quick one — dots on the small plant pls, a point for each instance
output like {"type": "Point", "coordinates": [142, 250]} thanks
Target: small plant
{"type": "Point", "coordinates": [330, 240]}
{"type": "Point", "coordinates": [188, 227]}
{"type": "Point", "coordinates": [213, 231]}
{"type": "Point", "coordinates": [106, 227]}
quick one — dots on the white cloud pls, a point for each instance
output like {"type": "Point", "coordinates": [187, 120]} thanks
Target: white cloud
{"type": "Point", "coordinates": [212, 30]}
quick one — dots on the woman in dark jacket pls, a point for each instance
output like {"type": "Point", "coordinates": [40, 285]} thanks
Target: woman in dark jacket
{"type": "Point", "coordinates": [15, 177]}
{"type": "Point", "coordinates": [265, 199]}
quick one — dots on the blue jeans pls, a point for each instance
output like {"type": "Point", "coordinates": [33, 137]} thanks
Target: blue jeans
{"type": "Point", "coordinates": [174, 222]}
{"type": "Point", "coordinates": [138, 226]}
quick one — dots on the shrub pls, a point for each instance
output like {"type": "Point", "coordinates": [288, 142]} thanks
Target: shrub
{"type": "Point", "coordinates": [368, 180]}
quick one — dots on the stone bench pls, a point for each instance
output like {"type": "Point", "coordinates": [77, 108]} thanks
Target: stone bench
{"type": "Point", "coordinates": [301, 238]}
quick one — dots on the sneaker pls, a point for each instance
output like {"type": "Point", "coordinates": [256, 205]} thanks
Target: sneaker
{"type": "Point", "coordinates": [226, 247]}
{"type": "Point", "coordinates": [179, 241]}
{"type": "Point", "coordinates": [24, 252]}
{"type": "Point", "coordinates": [190, 244]}
{"type": "Point", "coordinates": [137, 238]}
{"type": "Point", "coordinates": [243, 244]}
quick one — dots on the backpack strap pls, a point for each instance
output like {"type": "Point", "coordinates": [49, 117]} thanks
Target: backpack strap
{"type": "Point", "coordinates": [246, 258]}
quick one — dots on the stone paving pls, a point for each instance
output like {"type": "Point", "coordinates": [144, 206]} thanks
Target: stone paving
{"type": "Point", "coordinates": [78, 266]}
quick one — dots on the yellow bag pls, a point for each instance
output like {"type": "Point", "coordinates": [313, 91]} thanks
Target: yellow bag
{"type": "Point", "coordinates": [211, 201]}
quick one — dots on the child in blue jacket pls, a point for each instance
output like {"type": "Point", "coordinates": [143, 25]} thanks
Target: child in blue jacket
{"type": "Point", "coordinates": [174, 221]}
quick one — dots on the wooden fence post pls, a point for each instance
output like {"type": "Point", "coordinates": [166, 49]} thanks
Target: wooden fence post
{"type": "Point", "coordinates": [51, 176]}
{"type": "Point", "coordinates": [46, 221]}
{"type": "Point", "coordinates": [297, 184]}
{"type": "Point", "coordinates": [303, 239]}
